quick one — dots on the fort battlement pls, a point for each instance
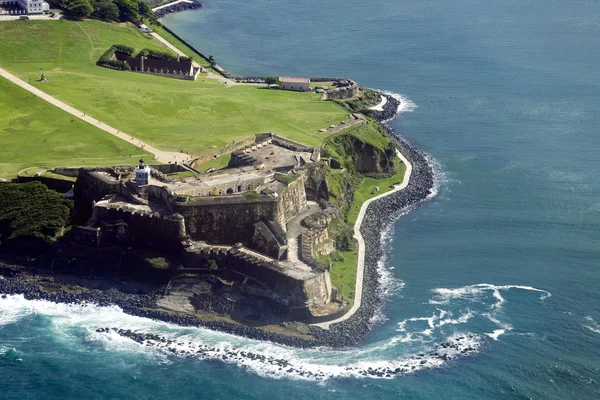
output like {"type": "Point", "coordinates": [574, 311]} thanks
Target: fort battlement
{"type": "Point", "coordinates": [236, 219]}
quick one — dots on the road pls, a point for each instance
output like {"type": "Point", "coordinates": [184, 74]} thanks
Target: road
{"type": "Point", "coordinates": [160, 155]}
{"type": "Point", "coordinates": [360, 272]}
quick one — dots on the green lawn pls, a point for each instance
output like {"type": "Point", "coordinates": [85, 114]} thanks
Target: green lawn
{"type": "Point", "coordinates": [170, 114]}
{"type": "Point", "coordinates": [34, 133]}
{"type": "Point", "coordinates": [365, 191]}
{"type": "Point", "coordinates": [343, 270]}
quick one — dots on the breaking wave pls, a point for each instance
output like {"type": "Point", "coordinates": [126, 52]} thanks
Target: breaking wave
{"type": "Point", "coordinates": [405, 104]}
{"type": "Point", "coordinates": [592, 325]}
{"type": "Point", "coordinates": [120, 332]}
{"type": "Point", "coordinates": [487, 294]}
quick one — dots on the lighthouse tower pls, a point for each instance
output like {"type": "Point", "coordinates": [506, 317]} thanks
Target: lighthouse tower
{"type": "Point", "coordinates": [142, 174]}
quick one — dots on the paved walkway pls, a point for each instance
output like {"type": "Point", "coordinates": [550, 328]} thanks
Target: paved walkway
{"type": "Point", "coordinates": [360, 272]}
{"type": "Point", "coordinates": [8, 17]}
{"type": "Point", "coordinates": [379, 107]}
{"type": "Point", "coordinates": [162, 156]}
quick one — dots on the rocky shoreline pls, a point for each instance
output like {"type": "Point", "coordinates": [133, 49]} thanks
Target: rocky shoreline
{"type": "Point", "coordinates": [343, 334]}
{"type": "Point", "coordinates": [173, 8]}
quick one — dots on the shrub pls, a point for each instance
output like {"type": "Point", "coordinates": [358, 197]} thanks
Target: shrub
{"type": "Point", "coordinates": [105, 58]}
{"type": "Point", "coordinates": [159, 55]}
{"type": "Point", "coordinates": [30, 212]}
{"type": "Point", "coordinates": [121, 48]}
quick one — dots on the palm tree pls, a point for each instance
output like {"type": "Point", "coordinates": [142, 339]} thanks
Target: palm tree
{"type": "Point", "coordinates": [211, 61]}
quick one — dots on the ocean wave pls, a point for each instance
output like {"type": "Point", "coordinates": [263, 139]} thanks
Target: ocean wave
{"type": "Point", "coordinates": [405, 104]}
{"type": "Point", "coordinates": [486, 294]}
{"type": "Point", "coordinates": [474, 292]}
{"type": "Point", "coordinates": [591, 324]}
{"type": "Point", "coordinates": [117, 331]}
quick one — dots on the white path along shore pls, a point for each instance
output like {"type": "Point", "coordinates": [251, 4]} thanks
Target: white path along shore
{"type": "Point", "coordinates": [162, 156]}
{"type": "Point", "coordinates": [360, 270]}
{"type": "Point", "coordinates": [382, 103]}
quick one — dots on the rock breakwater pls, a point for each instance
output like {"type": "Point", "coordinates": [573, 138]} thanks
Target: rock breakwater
{"type": "Point", "coordinates": [160, 12]}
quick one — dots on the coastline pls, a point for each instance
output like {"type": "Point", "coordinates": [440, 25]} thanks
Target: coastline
{"type": "Point", "coordinates": [346, 333]}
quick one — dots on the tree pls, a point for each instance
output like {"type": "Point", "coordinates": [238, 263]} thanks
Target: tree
{"type": "Point", "coordinates": [211, 61]}
{"type": "Point", "coordinates": [79, 9]}
{"type": "Point", "coordinates": [271, 80]}
{"type": "Point", "coordinates": [128, 9]}
{"type": "Point", "coordinates": [107, 10]}
{"type": "Point", "coordinates": [144, 10]}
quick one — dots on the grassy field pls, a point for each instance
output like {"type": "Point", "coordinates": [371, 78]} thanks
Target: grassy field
{"type": "Point", "coordinates": [365, 191]}
{"type": "Point", "coordinates": [170, 114]}
{"type": "Point", "coordinates": [34, 133]}
{"type": "Point", "coordinates": [343, 268]}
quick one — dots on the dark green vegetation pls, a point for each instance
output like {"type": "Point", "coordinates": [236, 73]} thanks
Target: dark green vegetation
{"type": "Point", "coordinates": [108, 10]}
{"type": "Point", "coordinates": [285, 179]}
{"type": "Point", "coordinates": [364, 165]}
{"type": "Point", "coordinates": [368, 99]}
{"type": "Point", "coordinates": [365, 149]}
{"type": "Point", "coordinates": [31, 215]}
{"type": "Point", "coordinates": [106, 60]}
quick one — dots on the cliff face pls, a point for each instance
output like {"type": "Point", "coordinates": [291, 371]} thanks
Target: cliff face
{"type": "Point", "coordinates": [370, 159]}
{"type": "Point", "coordinates": [365, 150]}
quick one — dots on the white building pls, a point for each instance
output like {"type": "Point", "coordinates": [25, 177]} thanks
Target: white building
{"type": "Point", "coordinates": [142, 174]}
{"type": "Point", "coordinates": [28, 6]}
{"type": "Point", "coordinates": [298, 84]}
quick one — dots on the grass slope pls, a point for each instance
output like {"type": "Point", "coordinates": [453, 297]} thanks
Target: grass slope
{"type": "Point", "coordinates": [167, 113]}
{"type": "Point", "coordinates": [35, 133]}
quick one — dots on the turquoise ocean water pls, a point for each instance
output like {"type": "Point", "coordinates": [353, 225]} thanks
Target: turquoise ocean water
{"type": "Point", "coordinates": [505, 97]}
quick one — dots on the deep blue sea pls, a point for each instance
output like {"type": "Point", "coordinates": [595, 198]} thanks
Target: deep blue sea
{"type": "Point", "coordinates": [505, 97]}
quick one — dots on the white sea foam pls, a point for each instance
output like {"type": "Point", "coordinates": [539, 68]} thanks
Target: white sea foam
{"type": "Point", "coordinates": [591, 324]}
{"type": "Point", "coordinates": [68, 322]}
{"type": "Point", "coordinates": [405, 106]}
{"type": "Point", "coordinates": [497, 332]}
{"type": "Point", "coordinates": [474, 293]}
{"type": "Point", "coordinates": [486, 294]}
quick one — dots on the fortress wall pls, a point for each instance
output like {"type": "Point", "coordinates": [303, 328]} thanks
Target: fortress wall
{"type": "Point", "coordinates": [292, 201]}
{"type": "Point", "coordinates": [318, 289]}
{"type": "Point", "coordinates": [168, 168]}
{"type": "Point", "coordinates": [59, 185]}
{"type": "Point", "coordinates": [89, 187]}
{"type": "Point", "coordinates": [298, 292]}
{"type": "Point", "coordinates": [197, 163]}
{"type": "Point", "coordinates": [73, 172]}
{"type": "Point", "coordinates": [144, 229]}
{"type": "Point", "coordinates": [315, 182]}
{"type": "Point", "coordinates": [227, 223]}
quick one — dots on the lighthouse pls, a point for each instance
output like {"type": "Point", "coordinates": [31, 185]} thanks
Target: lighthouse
{"type": "Point", "coordinates": [142, 174]}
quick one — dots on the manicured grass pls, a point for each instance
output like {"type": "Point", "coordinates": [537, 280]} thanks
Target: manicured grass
{"type": "Point", "coordinates": [34, 133]}
{"type": "Point", "coordinates": [343, 270]}
{"type": "Point", "coordinates": [343, 274]}
{"type": "Point", "coordinates": [216, 163]}
{"type": "Point", "coordinates": [365, 191]}
{"type": "Point", "coordinates": [169, 114]}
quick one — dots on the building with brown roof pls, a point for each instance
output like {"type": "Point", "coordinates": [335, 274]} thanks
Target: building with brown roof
{"type": "Point", "coordinates": [297, 84]}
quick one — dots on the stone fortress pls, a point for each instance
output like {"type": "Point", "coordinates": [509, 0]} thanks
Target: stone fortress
{"type": "Point", "coordinates": [254, 229]}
